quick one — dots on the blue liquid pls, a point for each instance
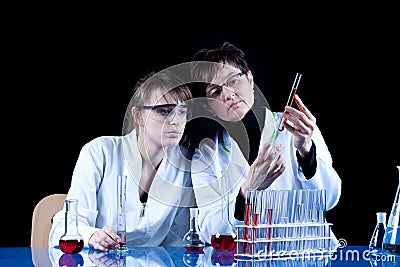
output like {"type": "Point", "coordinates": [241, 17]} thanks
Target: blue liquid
{"type": "Point", "coordinates": [388, 244]}
{"type": "Point", "coordinates": [388, 236]}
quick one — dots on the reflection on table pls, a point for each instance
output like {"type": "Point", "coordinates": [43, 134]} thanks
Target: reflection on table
{"type": "Point", "coordinates": [178, 256]}
{"type": "Point", "coordinates": [143, 256]}
{"type": "Point", "coordinates": [136, 256]}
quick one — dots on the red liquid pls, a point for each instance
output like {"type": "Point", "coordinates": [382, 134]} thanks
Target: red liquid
{"type": "Point", "coordinates": [71, 246]}
{"type": "Point", "coordinates": [289, 103]}
{"type": "Point", "coordinates": [223, 258]}
{"type": "Point", "coordinates": [269, 221]}
{"type": "Point", "coordinates": [198, 248]}
{"type": "Point", "coordinates": [122, 236]}
{"type": "Point", "coordinates": [71, 260]}
{"type": "Point", "coordinates": [223, 242]}
{"type": "Point", "coordinates": [254, 222]}
{"type": "Point", "coordinates": [255, 219]}
{"type": "Point", "coordinates": [247, 213]}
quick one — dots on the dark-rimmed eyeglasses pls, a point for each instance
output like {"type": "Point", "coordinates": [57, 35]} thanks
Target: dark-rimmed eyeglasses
{"type": "Point", "coordinates": [233, 82]}
{"type": "Point", "coordinates": [168, 111]}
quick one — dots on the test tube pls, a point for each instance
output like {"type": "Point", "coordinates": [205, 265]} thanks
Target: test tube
{"type": "Point", "coordinates": [291, 96]}
{"type": "Point", "coordinates": [121, 217]}
{"type": "Point", "coordinates": [247, 218]}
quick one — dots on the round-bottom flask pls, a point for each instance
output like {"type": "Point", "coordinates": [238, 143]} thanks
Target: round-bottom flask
{"type": "Point", "coordinates": [71, 241]}
{"type": "Point", "coordinates": [193, 240]}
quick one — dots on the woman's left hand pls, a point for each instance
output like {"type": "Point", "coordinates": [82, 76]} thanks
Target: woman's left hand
{"type": "Point", "coordinates": [301, 123]}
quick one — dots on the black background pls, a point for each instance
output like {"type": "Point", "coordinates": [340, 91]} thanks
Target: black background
{"type": "Point", "coordinates": [69, 77]}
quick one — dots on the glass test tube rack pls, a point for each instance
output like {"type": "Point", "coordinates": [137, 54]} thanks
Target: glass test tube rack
{"type": "Point", "coordinates": [321, 261]}
{"type": "Point", "coordinates": [284, 224]}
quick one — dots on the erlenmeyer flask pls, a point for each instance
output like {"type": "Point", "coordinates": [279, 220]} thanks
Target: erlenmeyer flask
{"type": "Point", "coordinates": [391, 239]}
{"type": "Point", "coordinates": [223, 237]}
{"type": "Point", "coordinates": [375, 244]}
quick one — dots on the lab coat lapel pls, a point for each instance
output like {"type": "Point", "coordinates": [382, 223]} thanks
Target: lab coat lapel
{"type": "Point", "coordinates": [168, 186]}
{"type": "Point", "coordinates": [132, 156]}
{"type": "Point", "coordinates": [269, 131]}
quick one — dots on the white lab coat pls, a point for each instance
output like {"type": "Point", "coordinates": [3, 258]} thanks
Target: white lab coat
{"type": "Point", "coordinates": [211, 161]}
{"type": "Point", "coordinates": [166, 216]}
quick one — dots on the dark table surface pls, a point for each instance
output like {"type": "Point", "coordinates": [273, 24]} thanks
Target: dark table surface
{"type": "Point", "coordinates": [177, 256]}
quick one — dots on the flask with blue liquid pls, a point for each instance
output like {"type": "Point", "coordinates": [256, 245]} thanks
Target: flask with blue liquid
{"type": "Point", "coordinates": [391, 239]}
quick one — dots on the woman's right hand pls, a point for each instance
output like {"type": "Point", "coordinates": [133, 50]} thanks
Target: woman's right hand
{"type": "Point", "coordinates": [266, 168]}
{"type": "Point", "coordinates": [104, 239]}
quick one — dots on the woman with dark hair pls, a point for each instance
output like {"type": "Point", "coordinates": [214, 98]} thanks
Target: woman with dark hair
{"type": "Point", "coordinates": [246, 142]}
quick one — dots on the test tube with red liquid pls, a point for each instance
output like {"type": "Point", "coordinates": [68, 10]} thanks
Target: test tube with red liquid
{"type": "Point", "coordinates": [293, 92]}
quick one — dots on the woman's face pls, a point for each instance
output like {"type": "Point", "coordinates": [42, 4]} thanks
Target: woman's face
{"type": "Point", "coordinates": [162, 120]}
{"type": "Point", "coordinates": [230, 95]}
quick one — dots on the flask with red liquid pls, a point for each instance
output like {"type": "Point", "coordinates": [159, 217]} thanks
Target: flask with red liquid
{"type": "Point", "coordinates": [224, 235]}
{"type": "Point", "coordinates": [71, 241]}
{"type": "Point", "coordinates": [193, 240]}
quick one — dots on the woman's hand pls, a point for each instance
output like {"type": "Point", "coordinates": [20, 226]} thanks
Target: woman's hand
{"type": "Point", "coordinates": [301, 123]}
{"type": "Point", "coordinates": [266, 168]}
{"type": "Point", "coordinates": [104, 239]}
{"type": "Point", "coordinates": [104, 259]}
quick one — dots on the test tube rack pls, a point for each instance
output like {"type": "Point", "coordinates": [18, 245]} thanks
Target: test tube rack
{"type": "Point", "coordinates": [284, 224]}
